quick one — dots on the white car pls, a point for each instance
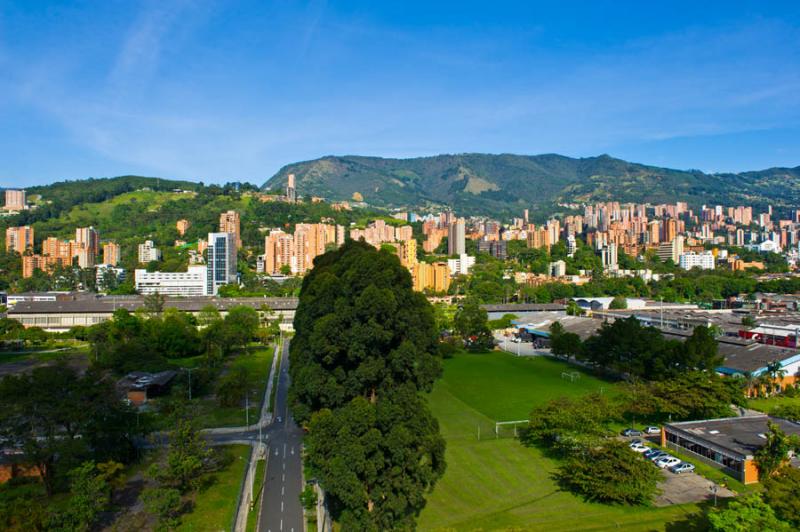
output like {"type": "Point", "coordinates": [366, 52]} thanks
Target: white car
{"type": "Point", "coordinates": [652, 430]}
{"type": "Point", "coordinates": [639, 447]}
{"type": "Point", "coordinates": [667, 461]}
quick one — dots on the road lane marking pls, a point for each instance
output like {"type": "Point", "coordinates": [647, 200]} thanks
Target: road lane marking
{"type": "Point", "coordinates": [283, 478]}
{"type": "Point", "coordinates": [292, 450]}
{"type": "Point", "coordinates": [282, 488]}
{"type": "Point", "coordinates": [284, 450]}
{"type": "Point", "coordinates": [281, 506]}
{"type": "Point", "coordinates": [281, 524]}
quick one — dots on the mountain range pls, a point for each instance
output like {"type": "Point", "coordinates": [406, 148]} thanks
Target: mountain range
{"type": "Point", "coordinates": [507, 183]}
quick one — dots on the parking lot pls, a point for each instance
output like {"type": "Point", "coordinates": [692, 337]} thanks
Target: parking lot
{"type": "Point", "coordinates": [682, 488]}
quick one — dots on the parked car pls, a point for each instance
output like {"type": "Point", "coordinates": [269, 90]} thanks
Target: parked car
{"type": "Point", "coordinates": [639, 447]}
{"type": "Point", "coordinates": [667, 461]}
{"type": "Point", "coordinates": [628, 433]}
{"type": "Point", "coordinates": [656, 455]}
{"type": "Point", "coordinates": [652, 430]}
{"type": "Point", "coordinates": [683, 467]}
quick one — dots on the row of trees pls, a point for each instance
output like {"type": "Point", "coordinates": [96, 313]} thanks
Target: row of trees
{"type": "Point", "coordinates": [626, 346]}
{"type": "Point", "coordinates": [365, 346]}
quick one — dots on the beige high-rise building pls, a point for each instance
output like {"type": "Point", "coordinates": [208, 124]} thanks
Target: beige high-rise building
{"type": "Point", "coordinates": [182, 226]}
{"type": "Point", "coordinates": [19, 238]}
{"type": "Point", "coordinates": [89, 238]}
{"type": "Point", "coordinates": [229, 223]}
{"type": "Point", "coordinates": [15, 200]}
{"type": "Point", "coordinates": [291, 192]}
{"type": "Point", "coordinates": [112, 253]}
{"type": "Point", "coordinates": [407, 252]}
{"type": "Point", "coordinates": [278, 251]}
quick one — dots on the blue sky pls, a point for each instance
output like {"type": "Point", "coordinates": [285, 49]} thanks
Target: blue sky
{"type": "Point", "coordinates": [220, 91]}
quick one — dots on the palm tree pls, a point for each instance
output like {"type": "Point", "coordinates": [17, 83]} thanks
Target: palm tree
{"type": "Point", "coordinates": [776, 373]}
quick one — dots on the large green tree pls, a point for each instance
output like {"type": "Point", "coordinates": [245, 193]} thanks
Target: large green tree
{"type": "Point", "coordinates": [377, 460]}
{"type": "Point", "coordinates": [782, 493]}
{"type": "Point", "coordinates": [746, 515]}
{"type": "Point", "coordinates": [365, 346]}
{"type": "Point", "coordinates": [360, 328]}
{"type": "Point", "coordinates": [609, 473]}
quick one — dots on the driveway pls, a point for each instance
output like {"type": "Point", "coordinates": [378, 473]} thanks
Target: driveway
{"type": "Point", "coordinates": [687, 487]}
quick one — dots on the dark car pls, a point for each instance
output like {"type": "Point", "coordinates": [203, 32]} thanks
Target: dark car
{"type": "Point", "coordinates": [629, 433]}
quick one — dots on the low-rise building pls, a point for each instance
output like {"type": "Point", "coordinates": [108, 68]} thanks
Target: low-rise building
{"type": "Point", "coordinates": [192, 282]}
{"type": "Point", "coordinates": [729, 444]}
{"type": "Point", "coordinates": [62, 311]}
{"type": "Point", "coordinates": [461, 265]}
{"type": "Point", "coordinates": [704, 261]}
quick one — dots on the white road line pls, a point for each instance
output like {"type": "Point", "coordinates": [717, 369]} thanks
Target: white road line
{"type": "Point", "coordinates": [282, 490]}
{"type": "Point", "coordinates": [281, 506]}
{"type": "Point", "coordinates": [284, 450]}
{"type": "Point", "coordinates": [283, 478]}
{"type": "Point", "coordinates": [281, 524]}
{"type": "Point", "coordinates": [292, 450]}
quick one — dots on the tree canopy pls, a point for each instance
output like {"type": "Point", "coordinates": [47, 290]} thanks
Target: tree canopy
{"type": "Point", "coordinates": [359, 328]}
{"type": "Point", "coordinates": [365, 346]}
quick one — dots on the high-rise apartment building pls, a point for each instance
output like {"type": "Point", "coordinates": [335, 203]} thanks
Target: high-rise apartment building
{"type": "Point", "coordinates": [112, 253]}
{"type": "Point", "coordinates": [229, 223]}
{"type": "Point", "coordinates": [291, 192]}
{"type": "Point", "coordinates": [278, 252]}
{"type": "Point", "coordinates": [15, 200]}
{"type": "Point", "coordinates": [88, 238]}
{"type": "Point", "coordinates": [434, 277]}
{"type": "Point", "coordinates": [148, 252]}
{"type": "Point", "coordinates": [456, 237]}
{"type": "Point", "coordinates": [407, 251]}
{"type": "Point", "coordinates": [221, 263]}
{"type": "Point", "coordinates": [19, 239]}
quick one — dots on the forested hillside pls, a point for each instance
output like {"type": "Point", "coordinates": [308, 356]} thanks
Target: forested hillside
{"type": "Point", "coordinates": [504, 184]}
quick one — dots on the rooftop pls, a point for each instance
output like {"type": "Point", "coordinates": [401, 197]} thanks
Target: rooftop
{"type": "Point", "coordinates": [740, 435]}
{"type": "Point", "coordinates": [131, 303]}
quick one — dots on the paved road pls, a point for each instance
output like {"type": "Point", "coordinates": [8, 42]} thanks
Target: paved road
{"type": "Point", "coordinates": [280, 502]}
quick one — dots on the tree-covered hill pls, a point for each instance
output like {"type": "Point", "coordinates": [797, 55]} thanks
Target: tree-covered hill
{"type": "Point", "coordinates": [506, 183]}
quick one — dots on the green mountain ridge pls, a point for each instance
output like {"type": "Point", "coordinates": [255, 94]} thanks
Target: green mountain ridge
{"type": "Point", "coordinates": [508, 183]}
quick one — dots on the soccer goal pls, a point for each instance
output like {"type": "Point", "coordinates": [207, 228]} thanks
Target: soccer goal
{"type": "Point", "coordinates": [571, 376]}
{"type": "Point", "coordinates": [507, 429]}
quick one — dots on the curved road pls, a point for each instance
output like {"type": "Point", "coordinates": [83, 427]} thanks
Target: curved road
{"type": "Point", "coordinates": [280, 503]}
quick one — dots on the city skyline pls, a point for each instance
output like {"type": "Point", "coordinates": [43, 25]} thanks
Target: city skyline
{"type": "Point", "coordinates": [216, 93]}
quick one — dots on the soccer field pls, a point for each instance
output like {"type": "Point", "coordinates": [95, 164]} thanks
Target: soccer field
{"type": "Point", "coordinates": [499, 484]}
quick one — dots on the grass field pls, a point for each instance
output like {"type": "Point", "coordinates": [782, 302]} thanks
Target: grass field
{"type": "Point", "coordinates": [215, 505]}
{"type": "Point", "coordinates": [767, 404]}
{"type": "Point", "coordinates": [499, 484]}
{"type": "Point", "coordinates": [257, 364]}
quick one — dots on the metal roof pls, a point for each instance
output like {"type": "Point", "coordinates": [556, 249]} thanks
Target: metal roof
{"type": "Point", "coordinates": [109, 305]}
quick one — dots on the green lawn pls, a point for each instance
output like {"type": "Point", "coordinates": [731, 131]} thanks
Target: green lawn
{"type": "Point", "coordinates": [498, 483]}
{"type": "Point", "coordinates": [505, 387]}
{"type": "Point", "coordinates": [767, 404]}
{"type": "Point", "coordinates": [258, 483]}
{"type": "Point", "coordinates": [215, 505]}
{"type": "Point", "coordinates": [257, 363]}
